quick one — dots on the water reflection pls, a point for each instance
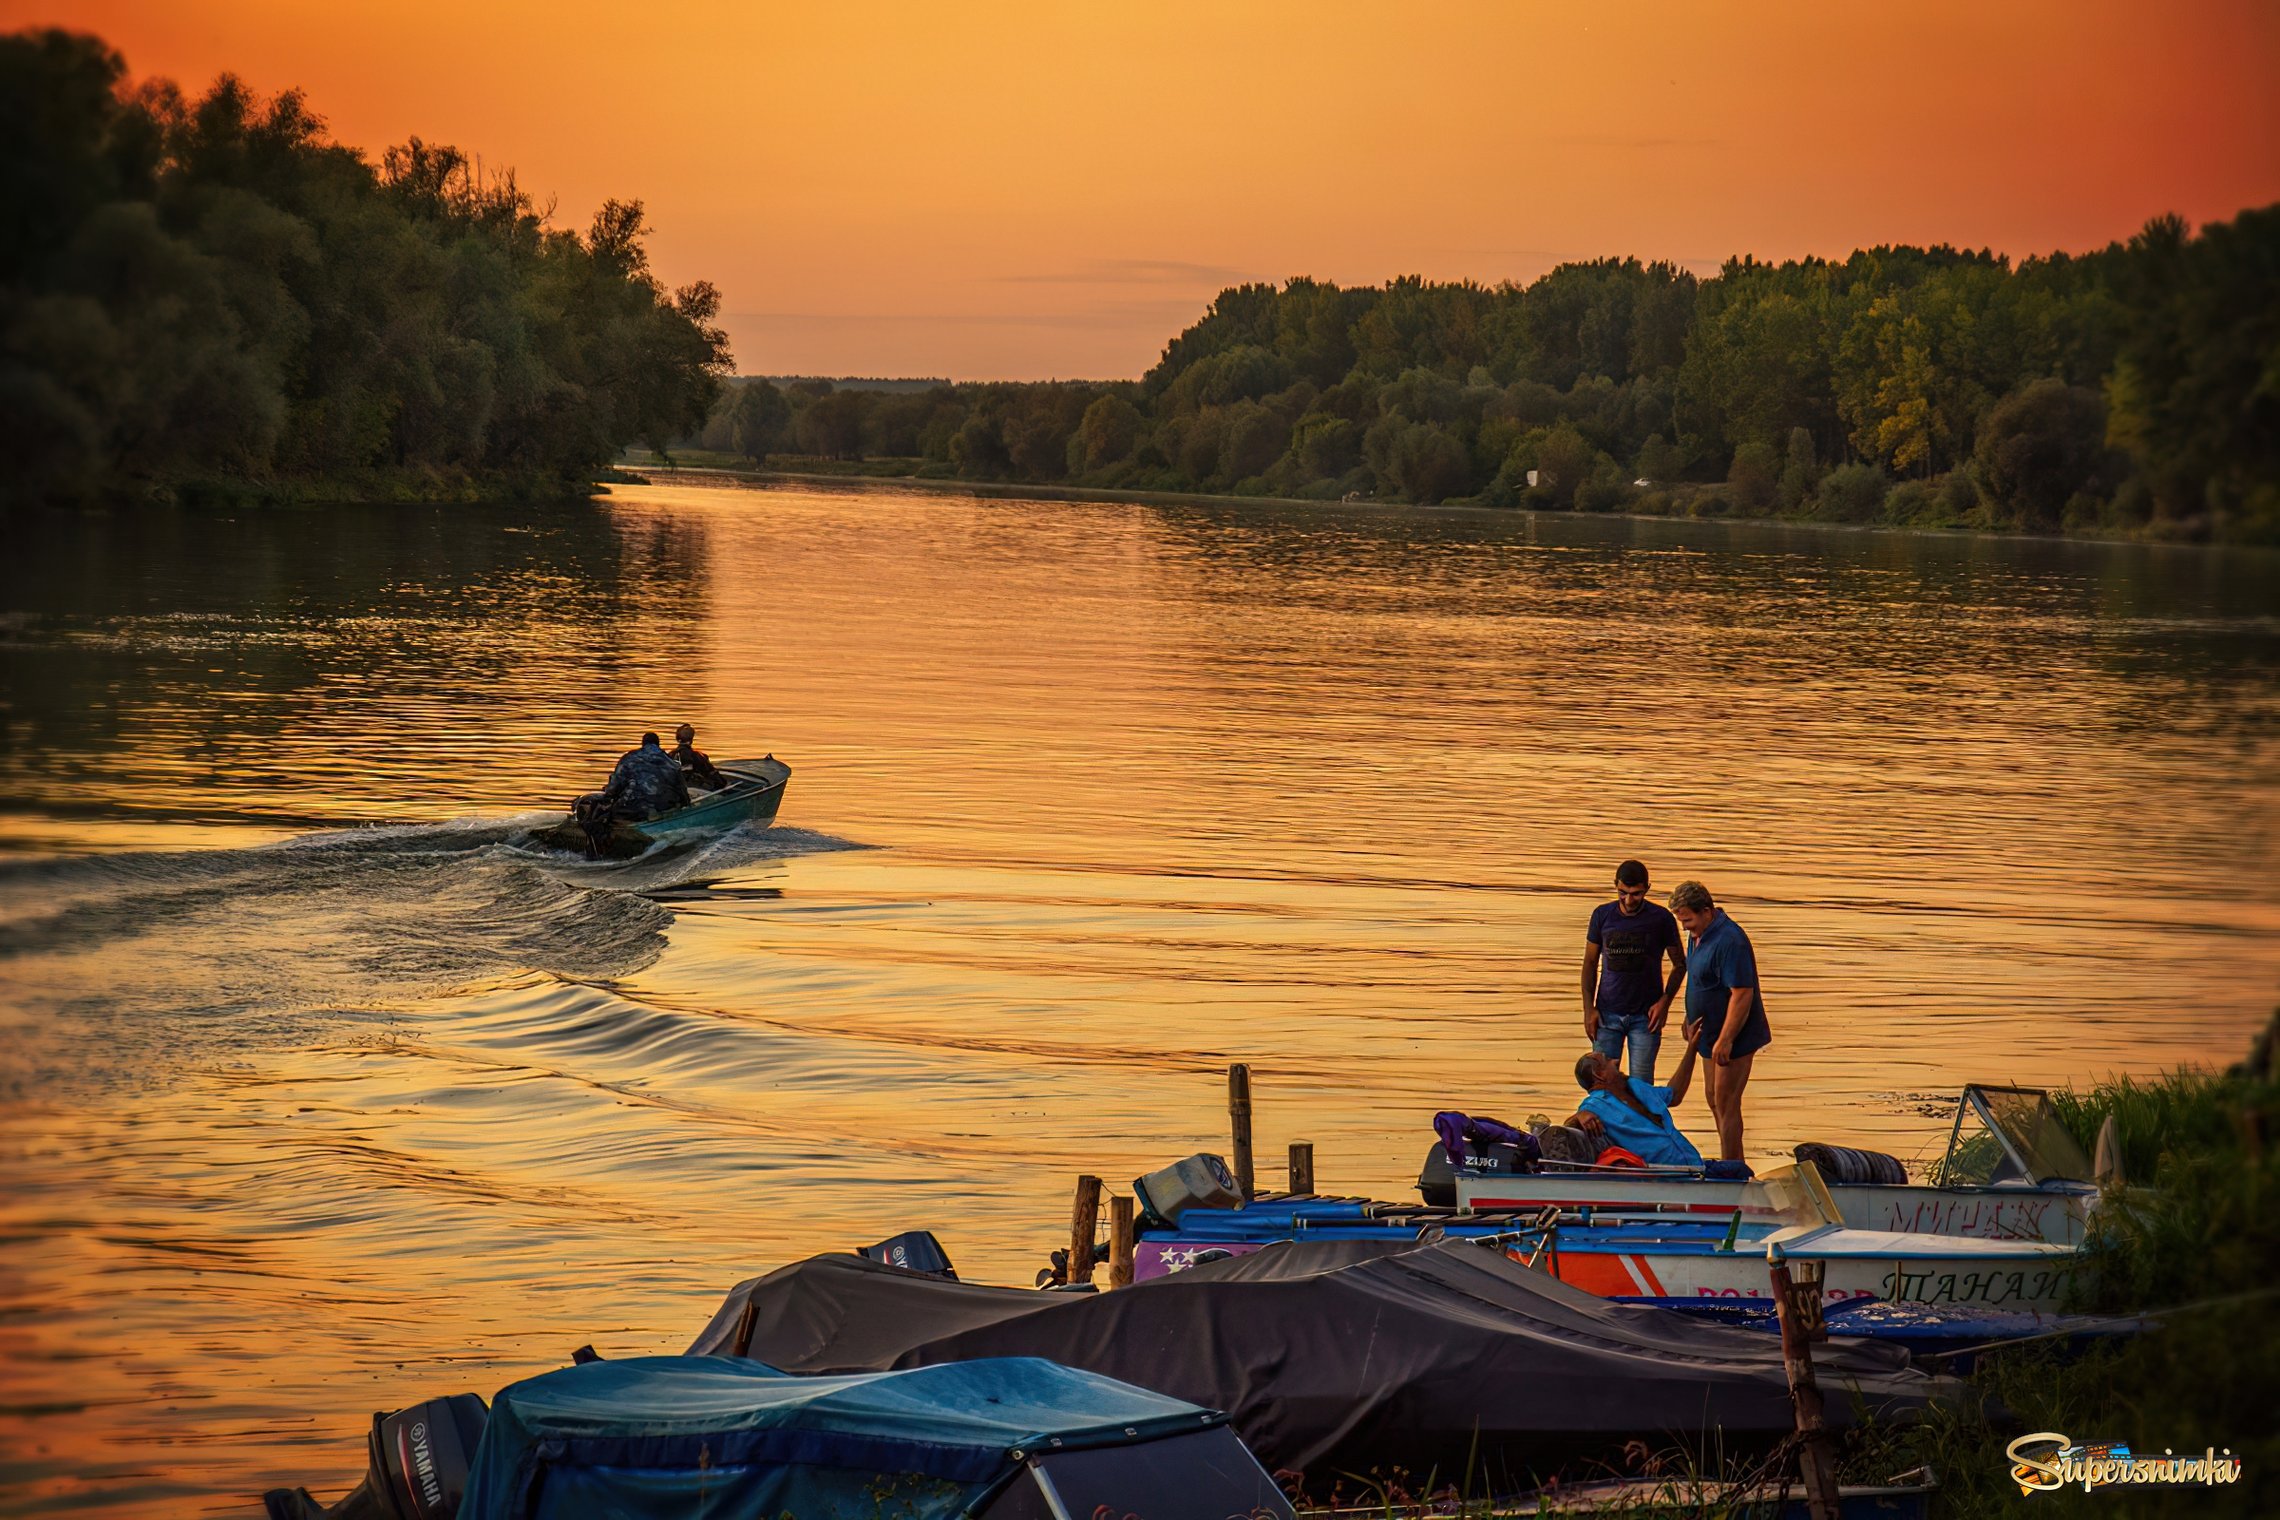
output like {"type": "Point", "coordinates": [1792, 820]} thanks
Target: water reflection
{"type": "Point", "coordinates": [303, 1125]}
{"type": "Point", "coordinates": [340, 664]}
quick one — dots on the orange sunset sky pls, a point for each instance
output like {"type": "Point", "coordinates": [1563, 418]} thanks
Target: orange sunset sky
{"type": "Point", "coordinates": [1004, 189]}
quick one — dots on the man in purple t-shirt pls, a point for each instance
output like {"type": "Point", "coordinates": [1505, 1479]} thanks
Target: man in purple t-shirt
{"type": "Point", "coordinates": [1626, 997]}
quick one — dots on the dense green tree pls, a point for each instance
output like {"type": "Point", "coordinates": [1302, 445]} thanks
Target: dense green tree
{"type": "Point", "coordinates": [1753, 480]}
{"type": "Point", "coordinates": [209, 293]}
{"type": "Point", "coordinates": [761, 414]}
{"type": "Point", "coordinates": [1800, 471]}
{"type": "Point", "coordinates": [832, 426]}
{"type": "Point", "coordinates": [1326, 447]}
{"type": "Point", "coordinates": [2041, 446]}
{"type": "Point", "coordinates": [1108, 432]}
{"type": "Point", "coordinates": [1853, 493]}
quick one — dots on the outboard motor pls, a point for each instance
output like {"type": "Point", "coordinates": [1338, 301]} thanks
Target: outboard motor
{"type": "Point", "coordinates": [1202, 1181]}
{"type": "Point", "coordinates": [416, 1469]}
{"type": "Point", "coordinates": [1437, 1178]}
{"type": "Point", "coordinates": [916, 1251]}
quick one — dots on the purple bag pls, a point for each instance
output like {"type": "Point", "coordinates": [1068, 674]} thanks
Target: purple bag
{"type": "Point", "coordinates": [1454, 1129]}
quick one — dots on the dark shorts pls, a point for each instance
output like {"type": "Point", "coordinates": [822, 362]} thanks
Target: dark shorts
{"type": "Point", "coordinates": [1755, 1035]}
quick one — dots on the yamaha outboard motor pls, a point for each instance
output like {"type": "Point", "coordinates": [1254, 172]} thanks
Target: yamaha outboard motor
{"type": "Point", "coordinates": [417, 1468]}
{"type": "Point", "coordinates": [917, 1251]}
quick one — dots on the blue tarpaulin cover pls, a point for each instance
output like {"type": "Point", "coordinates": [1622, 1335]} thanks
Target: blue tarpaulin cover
{"type": "Point", "coordinates": [666, 1437]}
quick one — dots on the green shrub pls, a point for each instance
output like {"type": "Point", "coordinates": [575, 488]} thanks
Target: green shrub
{"type": "Point", "coordinates": [1853, 493]}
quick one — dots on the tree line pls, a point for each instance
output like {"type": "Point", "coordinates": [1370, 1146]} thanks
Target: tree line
{"type": "Point", "coordinates": [2134, 389]}
{"type": "Point", "coordinates": [209, 295]}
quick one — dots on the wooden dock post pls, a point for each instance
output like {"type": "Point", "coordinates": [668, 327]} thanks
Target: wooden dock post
{"type": "Point", "coordinates": [1302, 1168]}
{"type": "Point", "coordinates": [1798, 1302]}
{"type": "Point", "coordinates": [1120, 1241]}
{"type": "Point", "coordinates": [1239, 1119]}
{"type": "Point", "coordinates": [1084, 1221]}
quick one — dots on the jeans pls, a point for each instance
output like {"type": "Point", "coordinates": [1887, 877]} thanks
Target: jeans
{"type": "Point", "coordinates": [1616, 1028]}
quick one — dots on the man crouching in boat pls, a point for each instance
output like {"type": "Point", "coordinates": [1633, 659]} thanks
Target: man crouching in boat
{"type": "Point", "coordinates": [1634, 1114]}
{"type": "Point", "coordinates": [696, 766]}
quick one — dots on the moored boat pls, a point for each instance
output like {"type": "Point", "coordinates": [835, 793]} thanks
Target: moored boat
{"type": "Point", "coordinates": [1662, 1257]}
{"type": "Point", "coordinates": [2010, 1172]}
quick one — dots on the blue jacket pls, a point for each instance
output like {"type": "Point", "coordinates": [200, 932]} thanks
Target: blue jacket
{"type": "Point", "coordinates": [647, 782]}
{"type": "Point", "coordinates": [1656, 1141]}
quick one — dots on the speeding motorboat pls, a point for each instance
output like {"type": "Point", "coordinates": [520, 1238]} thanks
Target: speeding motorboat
{"type": "Point", "coordinates": [754, 792]}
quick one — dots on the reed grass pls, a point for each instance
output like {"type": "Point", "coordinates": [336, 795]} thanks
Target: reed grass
{"type": "Point", "coordinates": [2193, 1241]}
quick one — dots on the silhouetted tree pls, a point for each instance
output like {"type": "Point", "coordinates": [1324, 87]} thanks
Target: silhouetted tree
{"type": "Point", "coordinates": [210, 293]}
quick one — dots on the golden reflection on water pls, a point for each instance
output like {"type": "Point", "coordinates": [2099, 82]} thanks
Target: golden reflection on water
{"type": "Point", "coordinates": [306, 1119]}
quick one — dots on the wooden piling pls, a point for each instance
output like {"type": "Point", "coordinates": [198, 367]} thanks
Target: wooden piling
{"type": "Point", "coordinates": [1084, 1222]}
{"type": "Point", "coordinates": [1239, 1119]}
{"type": "Point", "coordinates": [1302, 1168]}
{"type": "Point", "coordinates": [1120, 1241]}
{"type": "Point", "coordinates": [1799, 1305]}
{"type": "Point", "coordinates": [740, 1344]}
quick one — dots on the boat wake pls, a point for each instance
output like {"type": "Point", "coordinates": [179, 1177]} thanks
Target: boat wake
{"type": "Point", "coordinates": [120, 967]}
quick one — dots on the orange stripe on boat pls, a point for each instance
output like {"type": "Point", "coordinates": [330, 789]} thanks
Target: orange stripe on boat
{"type": "Point", "coordinates": [1597, 1272]}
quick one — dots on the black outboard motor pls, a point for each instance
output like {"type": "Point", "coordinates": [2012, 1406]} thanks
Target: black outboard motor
{"type": "Point", "coordinates": [1437, 1179]}
{"type": "Point", "coordinates": [916, 1251]}
{"type": "Point", "coordinates": [418, 1459]}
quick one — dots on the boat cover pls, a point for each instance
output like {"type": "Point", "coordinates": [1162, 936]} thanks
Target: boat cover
{"type": "Point", "coordinates": [670, 1436]}
{"type": "Point", "coordinates": [1347, 1357]}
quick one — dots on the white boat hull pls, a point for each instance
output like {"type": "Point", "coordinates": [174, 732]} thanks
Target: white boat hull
{"type": "Point", "coordinates": [2055, 1215]}
{"type": "Point", "coordinates": [2012, 1275]}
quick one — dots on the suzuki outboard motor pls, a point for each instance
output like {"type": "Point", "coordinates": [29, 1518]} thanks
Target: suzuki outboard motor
{"type": "Point", "coordinates": [417, 1468]}
{"type": "Point", "coordinates": [1437, 1178]}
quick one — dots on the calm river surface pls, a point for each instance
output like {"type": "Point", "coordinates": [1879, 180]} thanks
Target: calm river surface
{"type": "Point", "coordinates": [321, 1096]}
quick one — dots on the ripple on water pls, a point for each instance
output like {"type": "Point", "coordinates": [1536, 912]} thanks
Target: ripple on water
{"type": "Point", "coordinates": [385, 1108]}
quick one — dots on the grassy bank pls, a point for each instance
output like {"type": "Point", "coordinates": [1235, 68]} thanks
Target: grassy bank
{"type": "Point", "coordinates": [2195, 1242]}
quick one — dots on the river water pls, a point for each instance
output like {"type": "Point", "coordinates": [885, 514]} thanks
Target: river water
{"type": "Point", "coordinates": [323, 1095]}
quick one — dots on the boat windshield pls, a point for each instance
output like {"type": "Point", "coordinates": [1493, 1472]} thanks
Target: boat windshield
{"type": "Point", "coordinates": [2009, 1134]}
{"type": "Point", "coordinates": [1797, 1195]}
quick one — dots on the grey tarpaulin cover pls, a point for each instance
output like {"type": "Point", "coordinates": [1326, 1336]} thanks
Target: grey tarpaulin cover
{"type": "Point", "coordinates": [1346, 1357]}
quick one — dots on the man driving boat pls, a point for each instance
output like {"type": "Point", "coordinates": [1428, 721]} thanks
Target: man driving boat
{"type": "Point", "coordinates": [646, 782]}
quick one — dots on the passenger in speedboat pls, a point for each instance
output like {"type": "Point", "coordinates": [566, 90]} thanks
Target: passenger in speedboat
{"type": "Point", "coordinates": [1626, 997]}
{"type": "Point", "coordinates": [647, 782]}
{"type": "Point", "coordinates": [696, 766]}
{"type": "Point", "coordinates": [1625, 1111]}
{"type": "Point", "coordinates": [1725, 1007]}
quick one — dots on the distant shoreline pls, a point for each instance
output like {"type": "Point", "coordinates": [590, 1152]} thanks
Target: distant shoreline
{"type": "Point", "coordinates": [1034, 491]}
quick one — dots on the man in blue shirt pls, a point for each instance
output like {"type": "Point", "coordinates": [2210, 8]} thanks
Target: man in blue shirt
{"type": "Point", "coordinates": [1725, 1010]}
{"type": "Point", "coordinates": [1626, 1111]}
{"type": "Point", "coordinates": [1626, 998]}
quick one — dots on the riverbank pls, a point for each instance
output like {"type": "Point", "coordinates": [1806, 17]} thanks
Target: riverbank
{"type": "Point", "coordinates": [869, 475]}
{"type": "Point", "coordinates": [2194, 1244]}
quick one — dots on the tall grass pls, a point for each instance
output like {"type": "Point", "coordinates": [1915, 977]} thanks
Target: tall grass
{"type": "Point", "coordinates": [2193, 1240]}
